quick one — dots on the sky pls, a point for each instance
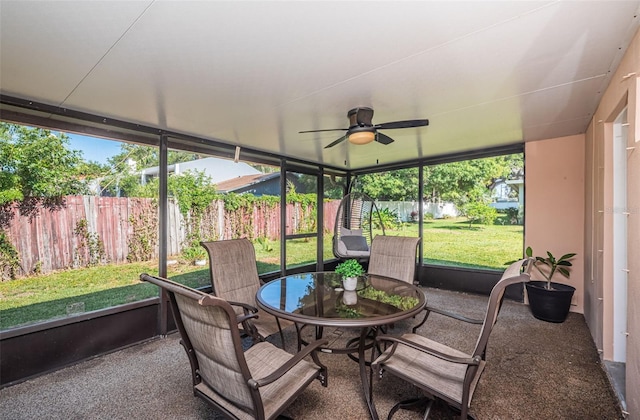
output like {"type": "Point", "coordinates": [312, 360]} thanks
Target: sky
{"type": "Point", "coordinates": [94, 149]}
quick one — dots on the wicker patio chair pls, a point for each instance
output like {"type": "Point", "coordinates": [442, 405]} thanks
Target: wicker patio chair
{"type": "Point", "coordinates": [234, 277]}
{"type": "Point", "coordinates": [257, 384]}
{"type": "Point", "coordinates": [356, 218]}
{"type": "Point", "coordinates": [441, 371]}
{"type": "Point", "coordinates": [394, 256]}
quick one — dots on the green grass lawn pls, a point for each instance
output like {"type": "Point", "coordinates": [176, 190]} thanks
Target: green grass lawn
{"type": "Point", "coordinates": [453, 242]}
{"type": "Point", "coordinates": [64, 293]}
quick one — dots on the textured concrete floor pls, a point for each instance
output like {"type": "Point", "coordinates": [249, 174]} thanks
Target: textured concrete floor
{"type": "Point", "coordinates": [535, 370]}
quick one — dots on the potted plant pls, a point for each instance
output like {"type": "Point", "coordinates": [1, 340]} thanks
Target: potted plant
{"type": "Point", "coordinates": [350, 270]}
{"type": "Point", "coordinates": [550, 301]}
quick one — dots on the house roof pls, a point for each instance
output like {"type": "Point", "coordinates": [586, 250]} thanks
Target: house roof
{"type": "Point", "coordinates": [255, 74]}
{"type": "Point", "coordinates": [234, 184]}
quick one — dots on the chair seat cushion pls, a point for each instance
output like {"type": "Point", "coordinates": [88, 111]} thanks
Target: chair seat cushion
{"type": "Point", "coordinates": [355, 243]}
{"type": "Point", "coordinates": [439, 377]}
{"type": "Point", "coordinates": [266, 324]}
{"type": "Point", "coordinates": [263, 359]}
{"type": "Point", "coordinates": [342, 250]}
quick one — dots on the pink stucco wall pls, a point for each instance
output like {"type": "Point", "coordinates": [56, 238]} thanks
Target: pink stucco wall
{"type": "Point", "coordinates": [554, 204]}
{"type": "Point", "coordinates": [623, 90]}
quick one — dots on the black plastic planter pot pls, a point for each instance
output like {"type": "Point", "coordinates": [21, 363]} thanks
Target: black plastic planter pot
{"type": "Point", "coordinates": [549, 305]}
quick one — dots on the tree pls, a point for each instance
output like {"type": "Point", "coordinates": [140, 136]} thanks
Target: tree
{"type": "Point", "coordinates": [399, 185]}
{"type": "Point", "coordinates": [93, 170]}
{"type": "Point", "coordinates": [36, 169]}
{"type": "Point", "coordinates": [146, 157]}
{"type": "Point", "coordinates": [465, 183]}
{"type": "Point", "coordinates": [470, 180]}
{"type": "Point", "coordinates": [124, 180]}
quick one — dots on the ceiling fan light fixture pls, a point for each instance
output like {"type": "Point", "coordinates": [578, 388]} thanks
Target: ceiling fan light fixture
{"type": "Point", "coordinates": [362, 137]}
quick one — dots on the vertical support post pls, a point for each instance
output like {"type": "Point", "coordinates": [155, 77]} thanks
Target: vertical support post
{"type": "Point", "coordinates": [349, 185]}
{"type": "Point", "coordinates": [320, 221]}
{"type": "Point", "coordinates": [283, 217]}
{"type": "Point", "coordinates": [163, 232]}
{"type": "Point", "coordinates": [420, 214]}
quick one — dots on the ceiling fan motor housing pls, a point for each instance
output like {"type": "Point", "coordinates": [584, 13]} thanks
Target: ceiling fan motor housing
{"type": "Point", "coordinates": [360, 117]}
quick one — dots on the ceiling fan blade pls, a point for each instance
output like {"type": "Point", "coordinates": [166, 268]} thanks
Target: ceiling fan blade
{"type": "Point", "coordinates": [328, 129]}
{"type": "Point", "coordinates": [340, 140]}
{"type": "Point", "coordinates": [402, 124]}
{"type": "Point", "coordinates": [383, 139]}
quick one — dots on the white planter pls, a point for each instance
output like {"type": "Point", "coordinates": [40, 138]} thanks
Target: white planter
{"type": "Point", "coordinates": [200, 262]}
{"type": "Point", "coordinates": [350, 283]}
{"type": "Point", "coordinates": [349, 297]}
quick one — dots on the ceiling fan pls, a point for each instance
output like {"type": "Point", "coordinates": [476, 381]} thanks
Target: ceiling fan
{"type": "Point", "coordinates": [362, 131]}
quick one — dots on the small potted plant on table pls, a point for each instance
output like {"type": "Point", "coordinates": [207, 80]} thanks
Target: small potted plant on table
{"type": "Point", "coordinates": [550, 301]}
{"type": "Point", "coordinates": [350, 270]}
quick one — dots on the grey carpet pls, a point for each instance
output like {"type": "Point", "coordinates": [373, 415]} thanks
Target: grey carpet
{"type": "Point", "coordinates": [535, 370]}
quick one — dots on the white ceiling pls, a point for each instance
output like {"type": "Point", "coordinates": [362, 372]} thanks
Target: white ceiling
{"type": "Point", "coordinates": [254, 74]}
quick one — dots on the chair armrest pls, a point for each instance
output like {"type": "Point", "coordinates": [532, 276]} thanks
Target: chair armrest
{"type": "Point", "coordinates": [250, 312]}
{"type": "Point", "coordinates": [475, 360]}
{"type": "Point", "coordinates": [245, 306]}
{"type": "Point", "coordinates": [313, 346]}
{"type": "Point", "coordinates": [245, 317]}
{"type": "Point", "coordinates": [429, 309]}
{"type": "Point", "coordinates": [455, 316]}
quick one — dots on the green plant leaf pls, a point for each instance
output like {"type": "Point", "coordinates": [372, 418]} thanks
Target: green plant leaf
{"type": "Point", "coordinates": [552, 259]}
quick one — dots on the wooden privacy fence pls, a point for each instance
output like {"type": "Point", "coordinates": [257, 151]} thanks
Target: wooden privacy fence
{"type": "Point", "coordinates": [91, 229]}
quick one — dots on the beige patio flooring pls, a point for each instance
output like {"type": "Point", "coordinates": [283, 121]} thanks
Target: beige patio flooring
{"type": "Point", "coordinates": [536, 370]}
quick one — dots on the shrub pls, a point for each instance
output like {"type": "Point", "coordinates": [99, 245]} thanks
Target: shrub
{"type": "Point", "coordinates": [194, 252]}
{"type": "Point", "coordinates": [512, 215]}
{"type": "Point", "coordinates": [265, 244]}
{"type": "Point", "coordinates": [9, 260]}
{"type": "Point", "coordinates": [478, 212]}
{"type": "Point", "coordinates": [90, 248]}
{"type": "Point", "coordinates": [388, 217]}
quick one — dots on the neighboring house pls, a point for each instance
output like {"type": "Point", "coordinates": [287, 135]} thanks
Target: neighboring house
{"type": "Point", "coordinates": [502, 196]}
{"type": "Point", "coordinates": [217, 169]}
{"type": "Point", "coordinates": [258, 184]}
{"type": "Point", "coordinates": [227, 175]}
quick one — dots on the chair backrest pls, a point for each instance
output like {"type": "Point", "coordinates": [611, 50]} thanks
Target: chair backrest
{"type": "Point", "coordinates": [209, 331]}
{"type": "Point", "coordinates": [394, 256]}
{"type": "Point", "coordinates": [512, 275]}
{"type": "Point", "coordinates": [234, 273]}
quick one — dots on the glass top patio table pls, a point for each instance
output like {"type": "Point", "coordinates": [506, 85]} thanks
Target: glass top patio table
{"type": "Point", "coordinates": [319, 299]}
